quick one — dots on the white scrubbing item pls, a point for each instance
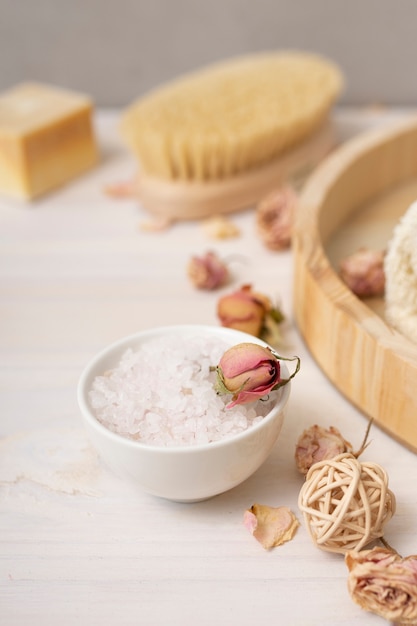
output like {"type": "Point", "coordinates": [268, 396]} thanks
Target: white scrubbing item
{"type": "Point", "coordinates": [401, 276]}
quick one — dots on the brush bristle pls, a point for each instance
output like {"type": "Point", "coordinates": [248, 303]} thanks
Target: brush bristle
{"type": "Point", "coordinates": [231, 117]}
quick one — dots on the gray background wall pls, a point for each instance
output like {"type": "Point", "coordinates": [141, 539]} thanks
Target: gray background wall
{"type": "Point", "coordinates": [115, 50]}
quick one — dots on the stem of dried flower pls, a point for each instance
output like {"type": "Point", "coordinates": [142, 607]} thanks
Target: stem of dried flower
{"type": "Point", "coordinates": [388, 546]}
{"type": "Point", "coordinates": [365, 442]}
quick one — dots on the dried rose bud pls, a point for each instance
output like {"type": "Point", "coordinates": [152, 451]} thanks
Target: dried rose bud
{"type": "Point", "coordinates": [243, 310]}
{"type": "Point", "coordinates": [248, 311]}
{"type": "Point", "coordinates": [275, 218]}
{"type": "Point", "coordinates": [319, 444]}
{"type": "Point", "coordinates": [363, 272]}
{"type": "Point", "coordinates": [208, 271]}
{"type": "Point", "coordinates": [249, 371]}
{"type": "Point", "coordinates": [382, 582]}
{"type": "Point", "coordinates": [271, 526]}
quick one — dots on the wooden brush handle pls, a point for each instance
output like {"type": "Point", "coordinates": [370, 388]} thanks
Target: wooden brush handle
{"type": "Point", "coordinates": [190, 201]}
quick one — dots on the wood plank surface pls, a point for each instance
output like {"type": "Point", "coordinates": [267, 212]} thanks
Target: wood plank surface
{"type": "Point", "coordinates": [78, 546]}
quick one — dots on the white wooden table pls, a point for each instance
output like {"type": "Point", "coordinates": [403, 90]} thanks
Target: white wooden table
{"type": "Point", "coordinates": [77, 546]}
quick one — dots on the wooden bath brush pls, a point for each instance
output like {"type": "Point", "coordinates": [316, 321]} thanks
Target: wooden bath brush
{"type": "Point", "coordinates": [219, 139]}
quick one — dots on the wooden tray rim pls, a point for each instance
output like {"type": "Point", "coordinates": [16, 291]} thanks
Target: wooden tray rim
{"type": "Point", "coordinates": [313, 266]}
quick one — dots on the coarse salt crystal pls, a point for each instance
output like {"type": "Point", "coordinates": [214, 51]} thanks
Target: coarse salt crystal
{"type": "Point", "coordinates": [163, 394]}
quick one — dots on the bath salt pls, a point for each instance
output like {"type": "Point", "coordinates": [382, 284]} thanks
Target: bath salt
{"type": "Point", "coordinates": [163, 394]}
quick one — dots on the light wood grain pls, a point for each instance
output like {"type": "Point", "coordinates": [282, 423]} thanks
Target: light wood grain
{"type": "Point", "coordinates": [371, 363]}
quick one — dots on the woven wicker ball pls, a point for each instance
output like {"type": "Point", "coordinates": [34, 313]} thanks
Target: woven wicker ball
{"type": "Point", "coordinates": [345, 503]}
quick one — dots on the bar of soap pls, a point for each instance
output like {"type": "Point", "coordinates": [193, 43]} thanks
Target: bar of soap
{"type": "Point", "coordinates": [46, 139]}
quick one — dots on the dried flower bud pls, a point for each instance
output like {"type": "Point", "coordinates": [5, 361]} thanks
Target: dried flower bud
{"type": "Point", "coordinates": [248, 311]}
{"type": "Point", "coordinates": [271, 526]}
{"type": "Point", "coordinates": [317, 444]}
{"type": "Point", "coordinates": [275, 218]}
{"type": "Point", "coordinates": [208, 271]}
{"type": "Point", "coordinates": [382, 582]}
{"type": "Point", "coordinates": [249, 371]}
{"type": "Point", "coordinates": [363, 272]}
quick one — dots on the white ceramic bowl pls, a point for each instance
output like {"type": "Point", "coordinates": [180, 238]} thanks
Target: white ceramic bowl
{"type": "Point", "coordinates": [181, 473]}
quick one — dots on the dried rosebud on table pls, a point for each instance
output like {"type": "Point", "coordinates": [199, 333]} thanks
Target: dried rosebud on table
{"type": "Point", "coordinates": [275, 218]}
{"type": "Point", "coordinates": [316, 444]}
{"type": "Point", "coordinates": [382, 582]}
{"type": "Point", "coordinates": [363, 272]}
{"type": "Point", "coordinates": [243, 310]}
{"type": "Point", "coordinates": [251, 312]}
{"type": "Point", "coordinates": [250, 371]}
{"type": "Point", "coordinates": [208, 271]}
{"type": "Point", "coordinates": [271, 526]}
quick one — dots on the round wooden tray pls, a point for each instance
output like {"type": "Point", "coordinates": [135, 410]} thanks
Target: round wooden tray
{"type": "Point", "coordinates": [354, 199]}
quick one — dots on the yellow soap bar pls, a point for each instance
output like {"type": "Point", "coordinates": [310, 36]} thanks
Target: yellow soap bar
{"type": "Point", "coordinates": [46, 138]}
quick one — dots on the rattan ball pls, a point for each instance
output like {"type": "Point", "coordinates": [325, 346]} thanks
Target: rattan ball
{"type": "Point", "coordinates": [345, 503]}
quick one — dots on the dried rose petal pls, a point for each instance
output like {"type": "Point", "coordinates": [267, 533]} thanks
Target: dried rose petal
{"type": "Point", "coordinates": [318, 444]}
{"type": "Point", "coordinates": [220, 227]}
{"type": "Point", "coordinates": [271, 526]}
{"type": "Point", "coordinates": [382, 582]}
{"type": "Point", "coordinates": [363, 272]}
{"type": "Point", "coordinates": [275, 218]}
{"type": "Point", "coordinates": [156, 224]}
{"type": "Point", "coordinates": [208, 271]}
{"type": "Point", "coordinates": [122, 189]}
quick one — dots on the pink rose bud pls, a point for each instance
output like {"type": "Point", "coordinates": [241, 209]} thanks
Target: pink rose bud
{"type": "Point", "coordinates": [382, 582]}
{"type": "Point", "coordinates": [249, 371]}
{"type": "Point", "coordinates": [363, 272]}
{"type": "Point", "coordinates": [207, 272]}
{"type": "Point", "coordinates": [275, 218]}
{"type": "Point", "coordinates": [319, 444]}
{"type": "Point", "coordinates": [247, 310]}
